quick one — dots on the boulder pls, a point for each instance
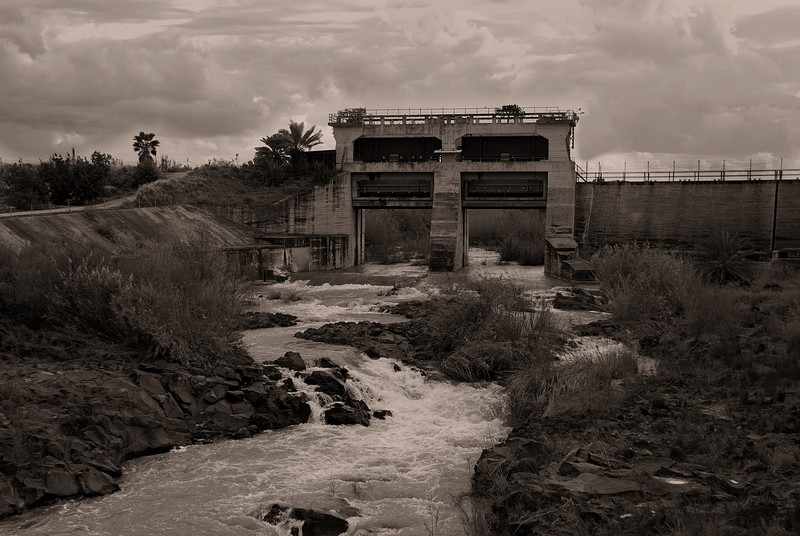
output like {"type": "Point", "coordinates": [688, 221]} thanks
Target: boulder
{"type": "Point", "coordinates": [381, 413]}
{"type": "Point", "coordinates": [330, 382]}
{"type": "Point", "coordinates": [60, 483]}
{"type": "Point", "coordinates": [292, 361]}
{"type": "Point", "coordinates": [315, 522]}
{"type": "Point", "coordinates": [326, 362]}
{"type": "Point", "coordinates": [339, 414]}
{"type": "Point", "coordinates": [260, 319]}
{"type": "Point", "coordinates": [94, 482]}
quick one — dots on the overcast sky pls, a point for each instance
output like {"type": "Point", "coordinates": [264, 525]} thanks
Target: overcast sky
{"type": "Point", "coordinates": [657, 79]}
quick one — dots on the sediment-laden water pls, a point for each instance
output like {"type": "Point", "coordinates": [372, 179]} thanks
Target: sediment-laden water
{"type": "Point", "coordinates": [403, 474]}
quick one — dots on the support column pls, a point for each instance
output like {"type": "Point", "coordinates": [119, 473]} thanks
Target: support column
{"type": "Point", "coordinates": [447, 222]}
{"type": "Point", "coordinates": [465, 231]}
{"type": "Point", "coordinates": [559, 235]}
{"type": "Point", "coordinates": [361, 222]}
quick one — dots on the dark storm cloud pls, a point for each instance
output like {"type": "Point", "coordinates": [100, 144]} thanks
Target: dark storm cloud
{"type": "Point", "coordinates": [654, 76]}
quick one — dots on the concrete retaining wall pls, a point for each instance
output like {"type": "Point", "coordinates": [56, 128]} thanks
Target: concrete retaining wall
{"type": "Point", "coordinates": [681, 214]}
{"type": "Point", "coordinates": [325, 210]}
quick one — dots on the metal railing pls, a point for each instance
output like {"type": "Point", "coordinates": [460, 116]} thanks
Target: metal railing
{"type": "Point", "coordinates": [412, 116]}
{"type": "Point", "coordinates": [402, 159]}
{"type": "Point", "coordinates": [399, 188]}
{"type": "Point", "coordinates": [500, 189]}
{"type": "Point", "coordinates": [695, 175]}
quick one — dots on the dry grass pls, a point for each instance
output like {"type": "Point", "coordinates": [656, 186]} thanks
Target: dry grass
{"type": "Point", "coordinates": [546, 387]}
{"type": "Point", "coordinates": [180, 302]}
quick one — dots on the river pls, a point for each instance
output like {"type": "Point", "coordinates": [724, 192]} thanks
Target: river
{"type": "Point", "coordinates": [403, 474]}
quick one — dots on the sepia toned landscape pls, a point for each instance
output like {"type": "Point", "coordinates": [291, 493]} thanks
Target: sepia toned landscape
{"type": "Point", "coordinates": [245, 290]}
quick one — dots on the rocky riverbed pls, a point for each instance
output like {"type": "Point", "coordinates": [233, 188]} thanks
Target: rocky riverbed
{"type": "Point", "coordinates": [66, 428]}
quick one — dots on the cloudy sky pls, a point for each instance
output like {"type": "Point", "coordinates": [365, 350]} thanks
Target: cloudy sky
{"type": "Point", "coordinates": [658, 80]}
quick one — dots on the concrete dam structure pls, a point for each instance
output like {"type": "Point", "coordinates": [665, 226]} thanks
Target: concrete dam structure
{"type": "Point", "coordinates": [446, 160]}
{"type": "Point", "coordinates": [454, 160]}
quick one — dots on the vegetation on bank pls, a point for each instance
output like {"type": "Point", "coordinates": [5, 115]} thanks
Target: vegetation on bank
{"type": "Point", "coordinates": [175, 302]}
{"type": "Point", "coordinates": [720, 404]}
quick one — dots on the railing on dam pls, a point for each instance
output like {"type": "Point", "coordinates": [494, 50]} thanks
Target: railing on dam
{"type": "Point", "coordinates": [425, 116]}
{"type": "Point", "coordinates": [698, 175]}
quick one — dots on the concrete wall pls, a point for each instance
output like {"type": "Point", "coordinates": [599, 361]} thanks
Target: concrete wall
{"type": "Point", "coordinates": [681, 214]}
{"type": "Point", "coordinates": [294, 254]}
{"type": "Point", "coordinates": [451, 132]}
{"type": "Point", "coordinates": [447, 244]}
{"type": "Point", "coordinates": [325, 210]}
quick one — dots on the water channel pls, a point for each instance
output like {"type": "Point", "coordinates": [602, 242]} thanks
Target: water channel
{"type": "Point", "coordinates": [402, 474]}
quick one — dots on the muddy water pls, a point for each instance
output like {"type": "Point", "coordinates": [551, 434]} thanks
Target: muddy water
{"type": "Point", "coordinates": [402, 474]}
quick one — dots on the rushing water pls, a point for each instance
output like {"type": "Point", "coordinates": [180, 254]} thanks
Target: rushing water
{"type": "Point", "coordinates": [402, 474]}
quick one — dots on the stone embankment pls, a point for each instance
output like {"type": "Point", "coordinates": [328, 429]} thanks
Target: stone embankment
{"type": "Point", "coordinates": [66, 428]}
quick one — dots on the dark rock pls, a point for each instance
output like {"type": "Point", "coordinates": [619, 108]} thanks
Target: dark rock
{"type": "Point", "coordinates": [94, 482]}
{"type": "Point", "coordinates": [577, 299]}
{"type": "Point", "coordinates": [181, 387]}
{"type": "Point", "coordinates": [317, 523]}
{"type": "Point", "coordinates": [259, 319]}
{"type": "Point", "coordinates": [272, 372]}
{"type": "Point", "coordinates": [381, 414]}
{"type": "Point", "coordinates": [330, 382]}
{"type": "Point", "coordinates": [150, 383]}
{"type": "Point", "coordinates": [325, 362]}
{"type": "Point", "coordinates": [61, 483]}
{"type": "Point", "coordinates": [339, 414]}
{"type": "Point", "coordinates": [396, 367]}
{"type": "Point", "coordinates": [292, 361]}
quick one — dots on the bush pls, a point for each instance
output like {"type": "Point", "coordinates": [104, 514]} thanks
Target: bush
{"type": "Point", "coordinates": [146, 172]}
{"type": "Point", "coordinates": [723, 259]}
{"type": "Point", "coordinates": [393, 236]}
{"type": "Point", "coordinates": [643, 283]}
{"type": "Point", "coordinates": [26, 189]}
{"type": "Point", "coordinates": [179, 302]}
{"type": "Point", "coordinates": [518, 235]}
{"type": "Point", "coordinates": [546, 387]}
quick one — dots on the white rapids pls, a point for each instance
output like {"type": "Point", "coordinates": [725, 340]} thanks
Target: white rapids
{"type": "Point", "coordinates": [402, 474]}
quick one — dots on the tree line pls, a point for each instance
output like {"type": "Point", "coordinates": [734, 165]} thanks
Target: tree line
{"type": "Point", "coordinates": [70, 179]}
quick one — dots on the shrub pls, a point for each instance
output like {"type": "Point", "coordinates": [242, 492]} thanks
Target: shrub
{"type": "Point", "coordinates": [146, 172]}
{"type": "Point", "coordinates": [26, 188]}
{"type": "Point", "coordinates": [517, 234]}
{"type": "Point", "coordinates": [723, 259]}
{"type": "Point", "coordinates": [546, 387]}
{"type": "Point", "coordinates": [643, 283]}
{"type": "Point", "coordinates": [180, 302]}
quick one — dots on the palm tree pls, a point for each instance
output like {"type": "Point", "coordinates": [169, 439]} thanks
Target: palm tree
{"type": "Point", "coordinates": [297, 138]}
{"type": "Point", "coordinates": [145, 145]}
{"type": "Point", "coordinates": [272, 151]}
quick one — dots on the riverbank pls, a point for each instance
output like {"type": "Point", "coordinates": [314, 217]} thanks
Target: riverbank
{"type": "Point", "coordinates": [67, 427]}
{"type": "Point", "coordinates": [703, 440]}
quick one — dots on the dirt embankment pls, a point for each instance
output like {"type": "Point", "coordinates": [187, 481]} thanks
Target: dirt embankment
{"type": "Point", "coordinates": [66, 427]}
{"type": "Point", "coordinates": [112, 230]}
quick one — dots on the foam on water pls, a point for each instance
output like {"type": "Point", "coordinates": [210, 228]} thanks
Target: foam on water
{"type": "Point", "coordinates": [396, 472]}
